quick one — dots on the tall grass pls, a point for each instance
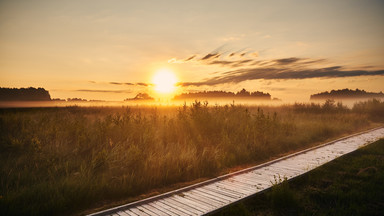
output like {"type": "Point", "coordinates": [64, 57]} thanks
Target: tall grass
{"type": "Point", "coordinates": [63, 160]}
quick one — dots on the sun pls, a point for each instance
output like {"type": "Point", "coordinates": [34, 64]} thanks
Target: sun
{"type": "Point", "coordinates": [164, 81]}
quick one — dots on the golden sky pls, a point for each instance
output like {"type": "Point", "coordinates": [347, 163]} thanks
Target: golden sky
{"type": "Point", "coordinates": [111, 50]}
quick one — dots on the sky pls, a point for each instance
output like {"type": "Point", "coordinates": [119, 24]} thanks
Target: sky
{"type": "Point", "coordinates": [111, 50]}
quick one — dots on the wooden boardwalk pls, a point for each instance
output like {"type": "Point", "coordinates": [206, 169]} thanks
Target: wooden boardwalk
{"type": "Point", "coordinates": [214, 194]}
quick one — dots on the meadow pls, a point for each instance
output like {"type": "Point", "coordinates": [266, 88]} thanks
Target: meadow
{"type": "Point", "coordinates": [59, 161]}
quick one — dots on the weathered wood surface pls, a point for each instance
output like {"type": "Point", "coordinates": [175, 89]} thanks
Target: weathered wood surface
{"type": "Point", "coordinates": [212, 195]}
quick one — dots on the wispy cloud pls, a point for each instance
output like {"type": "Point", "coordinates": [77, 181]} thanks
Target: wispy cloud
{"type": "Point", "coordinates": [286, 61]}
{"type": "Point", "coordinates": [143, 84]}
{"type": "Point", "coordinates": [124, 83]}
{"type": "Point", "coordinates": [120, 83]}
{"type": "Point", "coordinates": [190, 58]}
{"type": "Point", "coordinates": [103, 91]}
{"type": "Point", "coordinates": [210, 56]}
{"type": "Point", "coordinates": [219, 56]}
{"type": "Point", "coordinates": [266, 73]}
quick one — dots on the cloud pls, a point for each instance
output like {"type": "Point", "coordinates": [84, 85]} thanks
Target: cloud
{"type": "Point", "coordinates": [231, 63]}
{"type": "Point", "coordinates": [267, 73]}
{"type": "Point", "coordinates": [120, 83]}
{"type": "Point", "coordinates": [124, 83]}
{"type": "Point", "coordinates": [142, 84]}
{"type": "Point", "coordinates": [210, 56]}
{"type": "Point", "coordinates": [190, 58]}
{"type": "Point", "coordinates": [103, 91]}
{"type": "Point", "coordinates": [218, 56]}
{"type": "Point", "coordinates": [115, 83]}
{"type": "Point", "coordinates": [285, 61]}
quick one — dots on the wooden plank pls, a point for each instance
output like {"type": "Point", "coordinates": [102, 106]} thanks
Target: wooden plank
{"type": "Point", "coordinates": [256, 184]}
{"type": "Point", "coordinates": [181, 209]}
{"type": "Point", "coordinates": [155, 210]}
{"type": "Point", "coordinates": [169, 209]}
{"type": "Point", "coordinates": [276, 172]}
{"type": "Point", "coordinates": [230, 199]}
{"type": "Point", "coordinates": [183, 206]}
{"type": "Point", "coordinates": [218, 199]}
{"type": "Point", "coordinates": [235, 194]}
{"type": "Point", "coordinates": [158, 207]}
{"type": "Point", "coordinates": [234, 188]}
{"type": "Point", "coordinates": [231, 188]}
{"type": "Point", "coordinates": [130, 213]}
{"type": "Point", "coordinates": [259, 184]}
{"type": "Point", "coordinates": [147, 211]}
{"type": "Point", "coordinates": [282, 168]}
{"type": "Point", "coordinates": [210, 205]}
{"type": "Point", "coordinates": [122, 213]}
{"type": "Point", "coordinates": [266, 177]}
{"type": "Point", "coordinates": [288, 173]}
{"type": "Point", "coordinates": [245, 188]}
{"type": "Point", "coordinates": [203, 199]}
{"type": "Point", "coordinates": [222, 191]}
{"type": "Point", "coordinates": [138, 212]}
{"type": "Point", "coordinates": [193, 204]}
{"type": "Point", "coordinates": [253, 177]}
{"type": "Point", "coordinates": [289, 163]}
{"type": "Point", "coordinates": [244, 184]}
{"type": "Point", "coordinates": [207, 200]}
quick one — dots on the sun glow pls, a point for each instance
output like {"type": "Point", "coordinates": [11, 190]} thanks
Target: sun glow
{"type": "Point", "coordinates": [164, 81]}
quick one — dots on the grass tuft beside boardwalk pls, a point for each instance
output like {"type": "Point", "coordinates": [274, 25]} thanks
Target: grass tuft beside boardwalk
{"type": "Point", "coordinates": [350, 185]}
{"type": "Point", "coordinates": [67, 160]}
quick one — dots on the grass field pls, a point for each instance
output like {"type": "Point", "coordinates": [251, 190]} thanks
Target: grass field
{"type": "Point", "coordinates": [350, 185]}
{"type": "Point", "coordinates": [67, 160]}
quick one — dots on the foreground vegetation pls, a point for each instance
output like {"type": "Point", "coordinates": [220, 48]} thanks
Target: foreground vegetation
{"type": "Point", "coordinates": [65, 160]}
{"type": "Point", "coordinates": [350, 185]}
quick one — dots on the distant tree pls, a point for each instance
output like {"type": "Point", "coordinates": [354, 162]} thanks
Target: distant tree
{"type": "Point", "coordinates": [141, 96]}
{"type": "Point", "coordinates": [24, 94]}
{"type": "Point", "coordinates": [346, 93]}
{"type": "Point", "coordinates": [76, 99]}
{"type": "Point", "coordinates": [223, 94]}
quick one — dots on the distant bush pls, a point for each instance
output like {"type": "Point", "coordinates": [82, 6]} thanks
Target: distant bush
{"type": "Point", "coordinates": [329, 106]}
{"type": "Point", "coordinates": [374, 108]}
